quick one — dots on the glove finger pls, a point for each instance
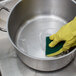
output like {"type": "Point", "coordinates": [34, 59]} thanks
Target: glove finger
{"type": "Point", "coordinates": [66, 46]}
{"type": "Point", "coordinates": [52, 37]}
{"type": "Point", "coordinates": [53, 43]}
{"type": "Point", "coordinates": [69, 44]}
{"type": "Point", "coordinates": [56, 53]}
{"type": "Point", "coordinates": [61, 50]}
{"type": "Point", "coordinates": [73, 44]}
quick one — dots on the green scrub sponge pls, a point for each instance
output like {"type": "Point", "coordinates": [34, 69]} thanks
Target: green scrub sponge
{"type": "Point", "coordinates": [54, 50]}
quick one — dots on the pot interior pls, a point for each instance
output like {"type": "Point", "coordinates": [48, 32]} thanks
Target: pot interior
{"type": "Point", "coordinates": [33, 20]}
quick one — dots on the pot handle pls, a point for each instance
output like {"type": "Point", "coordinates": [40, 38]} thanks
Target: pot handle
{"type": "Point", "coordinates": [74, 1]}
{"type": "Point", "coordinates": [3, 3]}
{"type": "Point", "coordinates": [2, 6]}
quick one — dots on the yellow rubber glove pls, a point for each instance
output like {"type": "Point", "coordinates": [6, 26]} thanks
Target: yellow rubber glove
{"type": "Point", "coordinates": [67, 33]}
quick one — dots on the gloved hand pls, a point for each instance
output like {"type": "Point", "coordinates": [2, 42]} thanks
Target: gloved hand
{"type": "Point", "coordinates": [67, 33]}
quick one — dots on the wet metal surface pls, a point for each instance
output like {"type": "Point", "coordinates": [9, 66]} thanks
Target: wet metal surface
{"type": "Point", "coordinates": [12, 66]}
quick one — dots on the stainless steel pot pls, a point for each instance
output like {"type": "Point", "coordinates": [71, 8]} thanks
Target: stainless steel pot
{"type": "Point", "coordinates": [30, 21]}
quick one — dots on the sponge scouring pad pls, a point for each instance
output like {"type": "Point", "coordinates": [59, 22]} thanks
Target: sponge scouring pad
{"type": "Point", "coordinates": [54, 50]}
